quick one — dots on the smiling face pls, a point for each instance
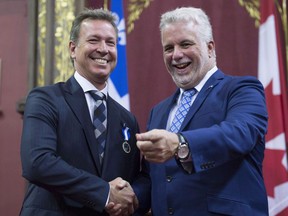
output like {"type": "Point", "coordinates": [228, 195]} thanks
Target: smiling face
{"type": "Point", "coordinates": [186, 55]}
{"type": "Point", "coordinates": [95, 53]}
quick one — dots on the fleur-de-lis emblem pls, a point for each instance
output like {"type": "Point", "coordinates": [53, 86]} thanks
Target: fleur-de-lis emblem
{"type": "Point", "coordinates": [120, 22]}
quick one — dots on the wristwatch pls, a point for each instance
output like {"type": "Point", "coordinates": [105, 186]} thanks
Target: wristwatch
{"type": "Point", "coordinates": [183, 151]}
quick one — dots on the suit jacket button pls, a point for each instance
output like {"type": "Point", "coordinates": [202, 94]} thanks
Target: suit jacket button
{"type": "Point", "coordinates": [168, 178]}
{"type": "Point", "coordinates": [170, 211]}
{"type": "Point", "coordinates": [213, 164]}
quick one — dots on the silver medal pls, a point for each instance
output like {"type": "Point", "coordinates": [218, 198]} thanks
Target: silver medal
{"type": "Point", "coordinates": [126, 147]}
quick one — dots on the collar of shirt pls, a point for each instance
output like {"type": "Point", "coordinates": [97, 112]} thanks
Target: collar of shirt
{"type": "Point", "coordinates": [88, 86]}
{"type": "Point", "coordinates": [200, 85]}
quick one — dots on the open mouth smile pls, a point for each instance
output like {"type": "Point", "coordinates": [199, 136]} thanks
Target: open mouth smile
{"type": "Point", "coordinates": [100, 61]}
{"type": "Point", "coordinates": [182, 66]}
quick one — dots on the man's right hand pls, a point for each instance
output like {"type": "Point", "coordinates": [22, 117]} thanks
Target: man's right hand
{"type": "Point", "coordinates": [122, 200]}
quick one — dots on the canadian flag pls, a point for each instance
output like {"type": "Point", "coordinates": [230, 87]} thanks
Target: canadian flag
{"type": "Point", "coordinates": [271, 73]}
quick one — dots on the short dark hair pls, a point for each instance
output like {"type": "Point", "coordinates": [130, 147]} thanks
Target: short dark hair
{"type": "Point", "coordinates": [91, 14]}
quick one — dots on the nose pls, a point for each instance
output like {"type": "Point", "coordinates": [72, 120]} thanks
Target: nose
{"type": "Point", "coordinates": [102, 47]}
{"type": "Point", "coordinates": [177, 53]}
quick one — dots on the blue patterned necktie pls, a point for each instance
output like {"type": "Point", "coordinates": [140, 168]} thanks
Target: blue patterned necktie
{"type": "Point", "coordinates": [100, 121]}
{"type": "Point", "coordinates": [182, 110]}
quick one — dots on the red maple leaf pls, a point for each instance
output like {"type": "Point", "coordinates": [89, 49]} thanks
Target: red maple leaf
{"type": "Point", "coordinates": [274, 171]}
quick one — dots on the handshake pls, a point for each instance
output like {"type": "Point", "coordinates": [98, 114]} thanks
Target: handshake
{"type": "Point", "coordinates": [156, 146]}
{"type": "Point", "coordinates": [122, 199]}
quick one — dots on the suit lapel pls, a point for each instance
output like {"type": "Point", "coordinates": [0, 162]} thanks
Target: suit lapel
{"type": "Point", "coordinates": [202, 95]}
{"type": "Point", "coordinates": [114, 126]}
{"type": "Point", "coordinates": [164, 111]}
{"type": "Point", "coordinates": [75, 97]}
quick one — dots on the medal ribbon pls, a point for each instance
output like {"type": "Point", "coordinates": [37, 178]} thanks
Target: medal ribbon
{"type": "Point", "coordinates": [126, 132]}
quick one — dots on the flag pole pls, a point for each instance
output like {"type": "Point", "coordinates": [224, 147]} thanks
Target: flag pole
{"type": "Point", "coordinates": [283, 13]}
{"type": "Point", "coordinates": [105, 4]}
{"type": "Point", "coordinates": [285, 28]}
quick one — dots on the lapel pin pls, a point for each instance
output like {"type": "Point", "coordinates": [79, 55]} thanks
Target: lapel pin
{"type": "Point", "coordinates": [126, 134]}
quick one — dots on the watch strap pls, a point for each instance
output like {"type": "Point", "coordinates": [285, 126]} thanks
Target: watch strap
{"type": "Point", "coordinates": [181, 138]}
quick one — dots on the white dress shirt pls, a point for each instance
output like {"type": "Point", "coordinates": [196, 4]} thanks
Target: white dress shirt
{"type": "Point", "coordinates": [88, 86]}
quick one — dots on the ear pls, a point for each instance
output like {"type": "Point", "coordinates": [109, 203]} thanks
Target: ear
{"type": "Point", "coordinates": [211, 48]}
{"type": "Point", "coordinates": [72, 47]}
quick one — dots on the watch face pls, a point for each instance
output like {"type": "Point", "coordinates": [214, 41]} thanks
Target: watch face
{"type": "Point", "coordinates": [183, 151]}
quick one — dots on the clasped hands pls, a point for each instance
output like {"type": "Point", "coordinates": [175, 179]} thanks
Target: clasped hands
{"type": "Point", "coordinates": [122, 200]}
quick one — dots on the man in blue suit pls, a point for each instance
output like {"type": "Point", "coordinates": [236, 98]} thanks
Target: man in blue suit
{"type": "Point", "coordinates": [205, 143]}
{"type": "Point", "coordinates": [66, 171]}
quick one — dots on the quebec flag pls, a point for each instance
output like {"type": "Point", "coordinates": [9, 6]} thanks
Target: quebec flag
{"type": "Point", "coordinates": [118, 81]}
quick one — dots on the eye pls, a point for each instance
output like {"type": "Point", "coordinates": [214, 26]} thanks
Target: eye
{"type": "Point", "coordinates": [186, 45]}
{"type": "Point", "coordinates": [93, 40]}
{"type": "Point", "coordinates": [168, 49]}
{"type": "Point", "coordinates": [111, 43]}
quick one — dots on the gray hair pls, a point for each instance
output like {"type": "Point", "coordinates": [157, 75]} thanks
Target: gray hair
{"type": "Point", "coordinates": [189, 14]}
{"type": "Point", "coordinates": [91, 14]}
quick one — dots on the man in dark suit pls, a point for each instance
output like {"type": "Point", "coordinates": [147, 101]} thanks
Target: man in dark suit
{"type": "Point", "coordinates": [66, 171]}
{"type": "Point", "coordinates": [205, 144]}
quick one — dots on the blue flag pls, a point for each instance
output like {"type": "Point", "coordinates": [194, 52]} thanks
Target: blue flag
{"type": "Point", "coordinates": [118, 82]}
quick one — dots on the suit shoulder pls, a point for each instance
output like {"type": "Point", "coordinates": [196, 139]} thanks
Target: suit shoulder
{"type": "Point", "coordinates": [48, 89]}
{"type": "Point", "coordinates": [242, 81]}
{"type": "Point", "coordinates": [234, 78]}
{"type": "Point", "coordinates": [43, 96]}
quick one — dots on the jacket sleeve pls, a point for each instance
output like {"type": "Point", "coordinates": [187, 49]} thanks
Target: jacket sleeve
{"type": "Point", "coordinates": [232, 125]}
{"type": "Point", "coordinates": [43, 166]}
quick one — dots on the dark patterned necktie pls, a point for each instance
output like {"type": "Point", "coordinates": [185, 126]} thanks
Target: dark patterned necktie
{"type": "Point", "coordinates": [182, 110]}
{"type": "Point", "coordinates": [100, 121]}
